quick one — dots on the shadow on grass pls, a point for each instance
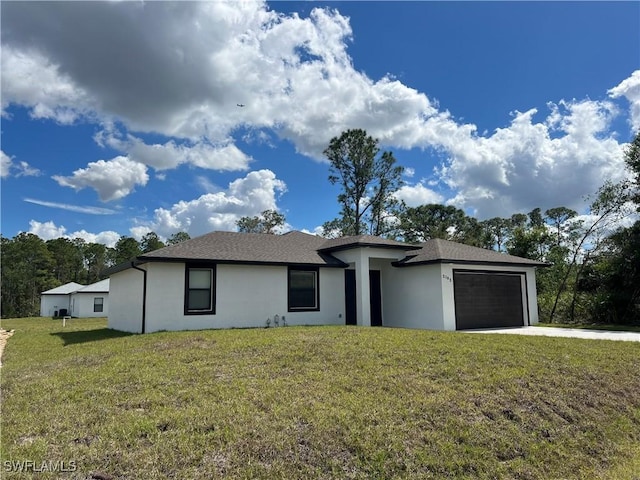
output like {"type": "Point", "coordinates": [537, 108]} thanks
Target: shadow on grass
{"type": "Point", "coordinates": [84, 336]}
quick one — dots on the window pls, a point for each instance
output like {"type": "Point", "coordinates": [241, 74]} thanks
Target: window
{"type": "Point", "coordinates": [303, 289]}
{"type": "Point", "coordinates": [98, 304]}
{"type": "Point", "coordinates": [199, 291]}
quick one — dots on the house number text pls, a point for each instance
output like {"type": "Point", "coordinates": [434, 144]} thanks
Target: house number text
{"type": "Point", "coordinates": [446, 277]}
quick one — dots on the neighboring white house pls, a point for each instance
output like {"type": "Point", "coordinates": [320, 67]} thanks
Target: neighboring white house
{"type": "Point", "coordinates": [57, 300]}
{"type": "Point", "coordinates": [76, 300]}
{"type": "Point", "coordinates": [228, 279]}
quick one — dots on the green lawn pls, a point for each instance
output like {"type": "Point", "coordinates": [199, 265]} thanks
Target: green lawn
{"type": "Point", "coordinates": [318, 402]}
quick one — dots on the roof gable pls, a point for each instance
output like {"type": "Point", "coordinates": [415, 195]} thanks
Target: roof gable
{"type": "Point", "coordinates": [65, 289]}
{"type": "Point", "coordinates": [98, 287]}
{"type": "Point", "coordinates": [355, 241]}
{"type": "Point", "coordinates": [438, 250]}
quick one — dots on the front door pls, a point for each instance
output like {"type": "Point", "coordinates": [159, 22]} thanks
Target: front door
{"type": "Point", "coordinates": [350, 297]}
{"type": "Point", "coordinates": [375, 298]}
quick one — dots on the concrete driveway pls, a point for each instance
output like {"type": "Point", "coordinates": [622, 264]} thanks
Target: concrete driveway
{"type": "Point", "coordinates": [564, 332]}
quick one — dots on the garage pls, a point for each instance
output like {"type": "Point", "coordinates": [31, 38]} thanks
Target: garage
{"type": "Point", "coordinates": [488, 299]}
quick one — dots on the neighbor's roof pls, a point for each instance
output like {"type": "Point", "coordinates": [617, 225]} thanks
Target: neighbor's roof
{"type": "Point", "coordinates": [441, 251]}
{"type": "Point", "coordinates": [99, 287]}
{"type": "Point", "coordinates": [232, 247]}
{"type": "Point", "coordinates": [65, 289]}
{"type": "Point", "coordinates": [343, 243]}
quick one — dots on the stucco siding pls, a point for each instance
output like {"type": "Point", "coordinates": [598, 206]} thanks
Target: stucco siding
{"type": "Point", "coordinates": [125, 298]}
{"type": "Point", "coordinates": [49, 304]}
{"type": "Point", "coordinates": [413, 297]}
{"type": "Point", "coordinates": [245, 296]}
{"type": "Point", "coordinates": [83, 304]}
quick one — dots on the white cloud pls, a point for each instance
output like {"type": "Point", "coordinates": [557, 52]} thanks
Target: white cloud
{"type": "Point", "coordinates": [530, 164]}
{"type": "Point", "coordinates": [251, 195]}
{"type": "Point", "coordinates": [224, 156]}
{"type": "Point", "coordinates": [630, 89]}
{"type": "Point", "coordinates": [5, 164]}
{"type": "Point", "coordinates": [31, 79]}
{"type": "Point", "coordinates": [180, 69]}
{"type": "Point", "coordinates": [112, 179]}
{"type": "Point", "coordinates": [409, 172]}
{"type": "Point", "coordinates": [49, 230]}
{"type": "Point", "coordinates": [72, 208]}
{"type": "Point", "coordinates": [20, 169]}
{"type": "Point", "coordinates": [415, 195]}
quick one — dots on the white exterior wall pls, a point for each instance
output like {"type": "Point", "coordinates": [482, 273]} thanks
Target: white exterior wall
{"type": "Point", "coordinates": [125, 297]}
{"type": "Point", "coordinates": [413, 297]}
{"type": "Point", "coordinates": [246, 295]}
{"type": "Point", "coordinates": [50, 303]}
{"type": "Point", "coordinates": [529, 293]}
{"type": "Point", "coordinates": [82, 304]}
{"type": "Point", "coordinates": [362, 260]}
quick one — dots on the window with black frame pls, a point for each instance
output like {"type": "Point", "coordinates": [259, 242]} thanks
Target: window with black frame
{"type": "Point", "coordinates": [303, 289]}
{"type": "Point", "coordinates": [199, 290]}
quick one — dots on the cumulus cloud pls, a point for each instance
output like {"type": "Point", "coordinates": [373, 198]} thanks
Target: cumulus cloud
{"type": "Point", "coordinates": [30, 78]}
{"type": "Point", "coordinates": [630, 89]}
{"type": "Point", "coordinates": [124, 61]}
{"type": "Point", "coordinates": [529, 164]}
{"type": "Point", "coordinates": [112, 179]}
{"type": "Point", "coordinates": [180, 69]}
{"type": "Point", "coordinates": [224, 156]}
{"type": "Point", "coordinates": [16, 169]}
{"type": "Point", "coordinates": [247, 196]}
{"type": "Point", "coordinates": [415, 195]}
{"type": "Point", "coordinates": [5, 164]}
{"type": "Point", "coordinates": [49, 230]}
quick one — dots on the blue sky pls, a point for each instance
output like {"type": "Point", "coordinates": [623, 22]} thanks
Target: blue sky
{"type": "Point", "coordinates": [121, 117]}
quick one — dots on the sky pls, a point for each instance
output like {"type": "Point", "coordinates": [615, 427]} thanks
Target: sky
{"type": "Point", "coordinates": [120, 118]}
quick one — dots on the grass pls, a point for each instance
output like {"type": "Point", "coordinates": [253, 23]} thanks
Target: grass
{"type": "Point", "coordinates": [318, 402]}
{"type": "Point", "coordinates": [594, 326]}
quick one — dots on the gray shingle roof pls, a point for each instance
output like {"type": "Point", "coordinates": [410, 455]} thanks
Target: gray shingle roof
{"type": "Point", "coordinates": [291, 248]}
{"type": "Point", "coordinates": [437, 250]}
{"type": "Point", "coordinates": [342, 243]}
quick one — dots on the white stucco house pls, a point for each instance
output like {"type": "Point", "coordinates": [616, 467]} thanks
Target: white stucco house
{"type": "Point", "coordinates": [228, 280]}
{"type": "Point", "coordinates": [76, 300]}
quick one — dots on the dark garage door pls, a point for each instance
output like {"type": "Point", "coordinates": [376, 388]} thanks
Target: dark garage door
{"type": "Point", "coordinates": [487, 300]}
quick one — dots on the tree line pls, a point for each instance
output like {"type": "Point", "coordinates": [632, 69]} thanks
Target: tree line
{"type": "Point", "coordinates": [31, 265]}
{"type": "Point", "coordinates": [593, 272]}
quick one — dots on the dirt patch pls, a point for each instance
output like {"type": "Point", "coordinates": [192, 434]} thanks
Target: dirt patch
{"type": "Point", "coordinates": [4, 336]}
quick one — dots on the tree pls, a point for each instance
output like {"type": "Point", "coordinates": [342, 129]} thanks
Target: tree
{"type": "Point", "coordinates": [269, 221]}
{"type": "Point", "coordinates": [422, 223]}
{"type": "Point", "coordinates": [498, 229]}
{"type": "Point", "coordinates": [558, 217]}
{"type": "Point", "coordinates": [368, 182]}
{"type": "Point", "coordinates": [632, 159]}
{"type": "Point", "coordinates": [27, 270]}
{"type": "Point", "coordinates": [95, 258]}
{"type": "Point", "coordinates": [178, 237]}
{"type": "Point", "coordinates": [68, 257]}
{"type": "Point", "coordinates": [150, 242]}
{"type": "Point", "coordinates": [126, 248]}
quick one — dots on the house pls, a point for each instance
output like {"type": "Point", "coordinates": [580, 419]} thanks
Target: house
{"type": "Point", "coordinates": [228, 279]}
{"type": "Point", "coordinates": [76, 300]}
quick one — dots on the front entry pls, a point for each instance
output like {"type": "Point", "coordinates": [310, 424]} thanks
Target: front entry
{"type": "Point", "coordinates": [375, 297]}
{"type": "Point", "coordinates": [350, 307]}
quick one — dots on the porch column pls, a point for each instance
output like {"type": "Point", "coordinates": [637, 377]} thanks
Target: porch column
{"type": "Point", "coordinates": [363, 317]}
